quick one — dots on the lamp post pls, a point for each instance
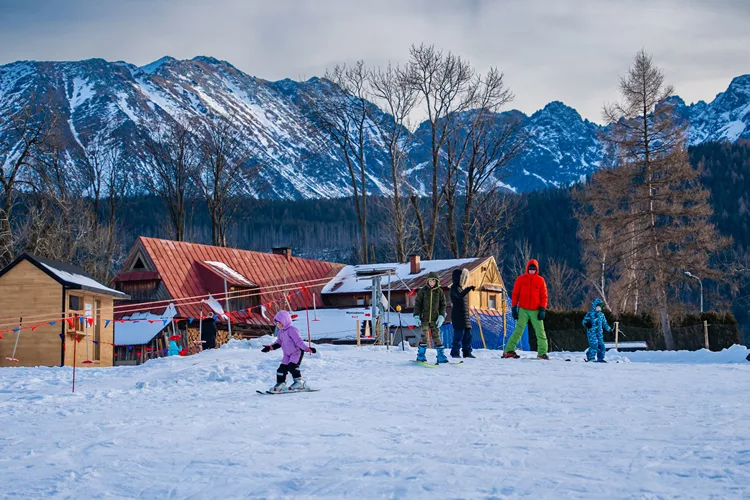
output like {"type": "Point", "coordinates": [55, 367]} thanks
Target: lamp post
{"type": "Point", "coordinates": [690, 275]}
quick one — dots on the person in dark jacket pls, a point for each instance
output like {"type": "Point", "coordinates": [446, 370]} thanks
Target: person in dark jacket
{"type": "Point", "coordinates": [429, 315]}
{"type": "Point", "coordinates": [460, 319]}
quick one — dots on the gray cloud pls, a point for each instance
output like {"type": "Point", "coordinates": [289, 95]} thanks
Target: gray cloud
{"type": "Point", "coordinates": [565, 50]}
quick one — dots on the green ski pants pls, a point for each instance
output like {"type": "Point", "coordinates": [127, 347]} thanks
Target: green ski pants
{"type": "Point", "coordinates": [524, 316]}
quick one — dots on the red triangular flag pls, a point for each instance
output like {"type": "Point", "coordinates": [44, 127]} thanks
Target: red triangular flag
{"type": "Point", "coordinates": [91, 321]}
{"type": "Point", "coordinates": [70, 321]}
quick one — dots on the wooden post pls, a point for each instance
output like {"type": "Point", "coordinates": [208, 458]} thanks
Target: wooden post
{"type": "Point", "coordinates": [358, 334]}
{"type": "Point", "coordinates": [617, 333]}
{"type": "Point", "coordinates": [705, 334]}
{"type": "Point", "coordinates": [481, 334]}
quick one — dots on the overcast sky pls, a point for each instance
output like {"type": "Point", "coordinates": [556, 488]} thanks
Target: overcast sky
{"type": "Point", "coordinates": [566, 50]}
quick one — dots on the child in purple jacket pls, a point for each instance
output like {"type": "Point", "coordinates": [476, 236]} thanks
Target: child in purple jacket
{"type": "Point", "coordinates": [293, 347]}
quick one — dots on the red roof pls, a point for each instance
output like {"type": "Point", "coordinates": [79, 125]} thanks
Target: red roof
{"type": "Point", "coordinates": [182, 268]}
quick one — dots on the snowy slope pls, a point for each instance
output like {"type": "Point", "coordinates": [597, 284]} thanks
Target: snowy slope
{"type": "Point", "coordinates": [381, 427]}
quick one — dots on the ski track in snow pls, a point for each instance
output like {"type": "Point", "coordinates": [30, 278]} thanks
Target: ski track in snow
{"type": "Point", "coordinates": [675, 425]}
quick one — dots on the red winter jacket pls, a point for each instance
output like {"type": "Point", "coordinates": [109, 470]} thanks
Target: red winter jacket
{"type": "Point", "coordinates": [530, 291]}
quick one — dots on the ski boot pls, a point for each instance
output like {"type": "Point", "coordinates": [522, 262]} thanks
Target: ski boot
{"type": "Point", "coordinates": [600, 361]}
{"type": "Point", "coordinates": [298, 385]}
{"type": "Point", "coordinates": [422, 354]}
{"type": "Point", "coordinates": [543, 356]}
{"type": "Point", "coordinates": [511, 354]}
{"type": "Point", "coordinates": [441, 355]}
{"type": "Point", "coordinates": [280, 387]}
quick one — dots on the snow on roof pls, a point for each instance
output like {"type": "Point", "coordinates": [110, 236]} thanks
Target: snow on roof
{"type": "Point", "coordinates": [339, 323]}
{"type": "Point", "coordinates": [226, 271]}
{"type": "Point", "coordinates": [148, 326]}
{"type": "Point", "coordinates": [343, 282]}
{"type": "Point", "coordinates": [73, 276]}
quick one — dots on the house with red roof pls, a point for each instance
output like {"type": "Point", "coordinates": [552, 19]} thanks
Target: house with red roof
{"type": "Point", "coordinates": [216, 289]}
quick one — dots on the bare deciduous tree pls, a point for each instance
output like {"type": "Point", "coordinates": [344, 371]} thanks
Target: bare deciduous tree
{"type": "Point", "coordinates": [651, 201]}
{"type": "Point", "coordinates": [24, 132]}
{"type": "Point", "coordinates": [171, 155]}
{"type": "Point", "coordinates": [342, 111]}
{"type": "Point", "coordinates": [391, 90]}
{"type": "Point", "coordinates": [562, 284]}
{"type": "Point", "coordinates": [223, 171]}
{"type": "Point", "coordinates": [443, 82]}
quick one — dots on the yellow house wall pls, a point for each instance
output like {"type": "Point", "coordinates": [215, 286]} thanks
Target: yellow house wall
{"type": "Point", "coordinates": [26, 291]}
{"type": "Point", "coordinates": [86, 349]}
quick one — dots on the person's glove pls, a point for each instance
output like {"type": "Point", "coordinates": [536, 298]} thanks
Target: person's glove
{"type": "Point", "coordinates": [472, 288]}
{"type": "Point", "coordinates": [514, 311]}
{"type": "Point", "coordinates": [266, 348]}
{"type": "Point", "coordinates": [313, 350]}
{"type": "Point", "coordinates": [417, 321]}
{"type": "Point", "coordinates": [542, 313]}
{"type": "Point", "coordinates": [440, 321]}
{"type": "Point", "coordinates": [588, 323]}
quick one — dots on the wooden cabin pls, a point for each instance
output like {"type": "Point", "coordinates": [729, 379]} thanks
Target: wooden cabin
{"type": "Point", "coordinates": [345, 291]}
{"type": "Point", "coordinates": [237, 281]}
{"type": "Point", "coordinates": [52, 305]}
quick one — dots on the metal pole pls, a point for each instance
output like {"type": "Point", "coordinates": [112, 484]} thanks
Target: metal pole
{"type": "Point", "coordinates": [701, 282]}
{"type": "Point", "coordinates": [400, 328]}
{"type": "Point", "coordinates": [226, 304]}
{"type": "Point", "coordinates": [389, 310]}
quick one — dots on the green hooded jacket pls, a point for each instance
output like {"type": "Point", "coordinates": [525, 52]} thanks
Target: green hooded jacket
{"type": "Point", "coordinates": [430, 302]}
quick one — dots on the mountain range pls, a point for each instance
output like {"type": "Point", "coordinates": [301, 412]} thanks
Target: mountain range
{"type": "Point", "coordinates": [298, 162]}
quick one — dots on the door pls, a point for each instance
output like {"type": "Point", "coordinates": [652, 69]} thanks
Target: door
{"type": "Point", "coordinates": [97, 329]}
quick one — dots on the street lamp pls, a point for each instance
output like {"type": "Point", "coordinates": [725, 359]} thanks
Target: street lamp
{"type": "Point", "coordinates": [689, 274]}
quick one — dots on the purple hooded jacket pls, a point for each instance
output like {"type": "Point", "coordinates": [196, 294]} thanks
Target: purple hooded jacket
{"type": "Point", "coordinates": [289, 339]}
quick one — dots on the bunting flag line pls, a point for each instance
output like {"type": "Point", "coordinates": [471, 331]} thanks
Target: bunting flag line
{"type": "Point", "coordinates": [234, 316]}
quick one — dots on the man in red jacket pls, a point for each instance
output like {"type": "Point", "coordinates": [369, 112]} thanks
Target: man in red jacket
{"type": "Point", "coordinates": [529, 302]}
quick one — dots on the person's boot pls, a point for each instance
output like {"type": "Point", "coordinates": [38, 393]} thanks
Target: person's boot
{"type": "Point", "coordinates": [422, 354]}
{"type": "Point", "coordinates": [543, 356]}
{"type": "Point", "coordinates": [511, 354]}
{"type": "Point", "coordinates": [298, 385]}
{"type": "Point", "coordinates": [455, 353]}
{"type": "Point", "coordinates": [468, 354]}
{"type": "Point", "coordinates": [441, 355]}
{"type": "Point", "coordinates": [280, 387]}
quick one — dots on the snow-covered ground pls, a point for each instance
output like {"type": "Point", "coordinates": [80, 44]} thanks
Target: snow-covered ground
{"type": "Point", "coordinates": [663, 425]}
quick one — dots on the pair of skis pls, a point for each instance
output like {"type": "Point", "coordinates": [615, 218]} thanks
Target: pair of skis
{"type": "Point", "coordinates": [286, 391]}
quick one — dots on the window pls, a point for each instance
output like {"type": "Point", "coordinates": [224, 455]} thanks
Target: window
{"type": "Point", "coordinates": [74, 303]}
{"type": "Point", "coordinates": [493, 301]}
{"type": "Point", "coordinates": [360, 301]}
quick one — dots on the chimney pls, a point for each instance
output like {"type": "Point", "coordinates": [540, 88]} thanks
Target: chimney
{"type": "Point", "coordinates": [285, 251]}
{"type": "Point", "coordinates": [415, 263]}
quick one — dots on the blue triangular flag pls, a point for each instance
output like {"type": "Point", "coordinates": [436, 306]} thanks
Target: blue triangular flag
{"type": "Point", "coordinates": [216, 317]}
{"type": "Point", "coordinates": [106, 322]}
{"type": "Point", "coordinates": [16, 330]}
{"type": "Point", "coordinates": [191, 320]}
{"type": "Point", "coordinates": [52, 322]}
{"type": "Point", "coordinates": [164, 321]}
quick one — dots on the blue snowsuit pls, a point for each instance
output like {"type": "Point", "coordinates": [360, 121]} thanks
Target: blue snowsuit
{"type": "Point", "coordinates": [595, 324]}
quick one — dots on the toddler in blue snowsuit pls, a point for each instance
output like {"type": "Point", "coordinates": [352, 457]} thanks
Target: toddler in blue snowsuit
{"type": "Point", "coordinates": [595, 324]}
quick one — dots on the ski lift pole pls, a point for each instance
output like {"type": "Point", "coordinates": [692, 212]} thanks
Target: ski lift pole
{"type": "Point", "coordinates": [400, 328]}
{"type": "Point", "coordinates": [389, 312]}
{"type": "Point", "coordinates": [75, 345]}
{"type": "Point", "coordinates": [15, 346]}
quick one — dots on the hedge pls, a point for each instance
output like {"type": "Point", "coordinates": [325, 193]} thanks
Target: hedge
{"type": "Point", "coordinates": [565, 332]}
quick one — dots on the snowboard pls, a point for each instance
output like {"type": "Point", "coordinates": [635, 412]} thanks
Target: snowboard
{"type": "Point", "coordinates": [287, 391]}
{"type": "Point", "coordinates": [434, 365]}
